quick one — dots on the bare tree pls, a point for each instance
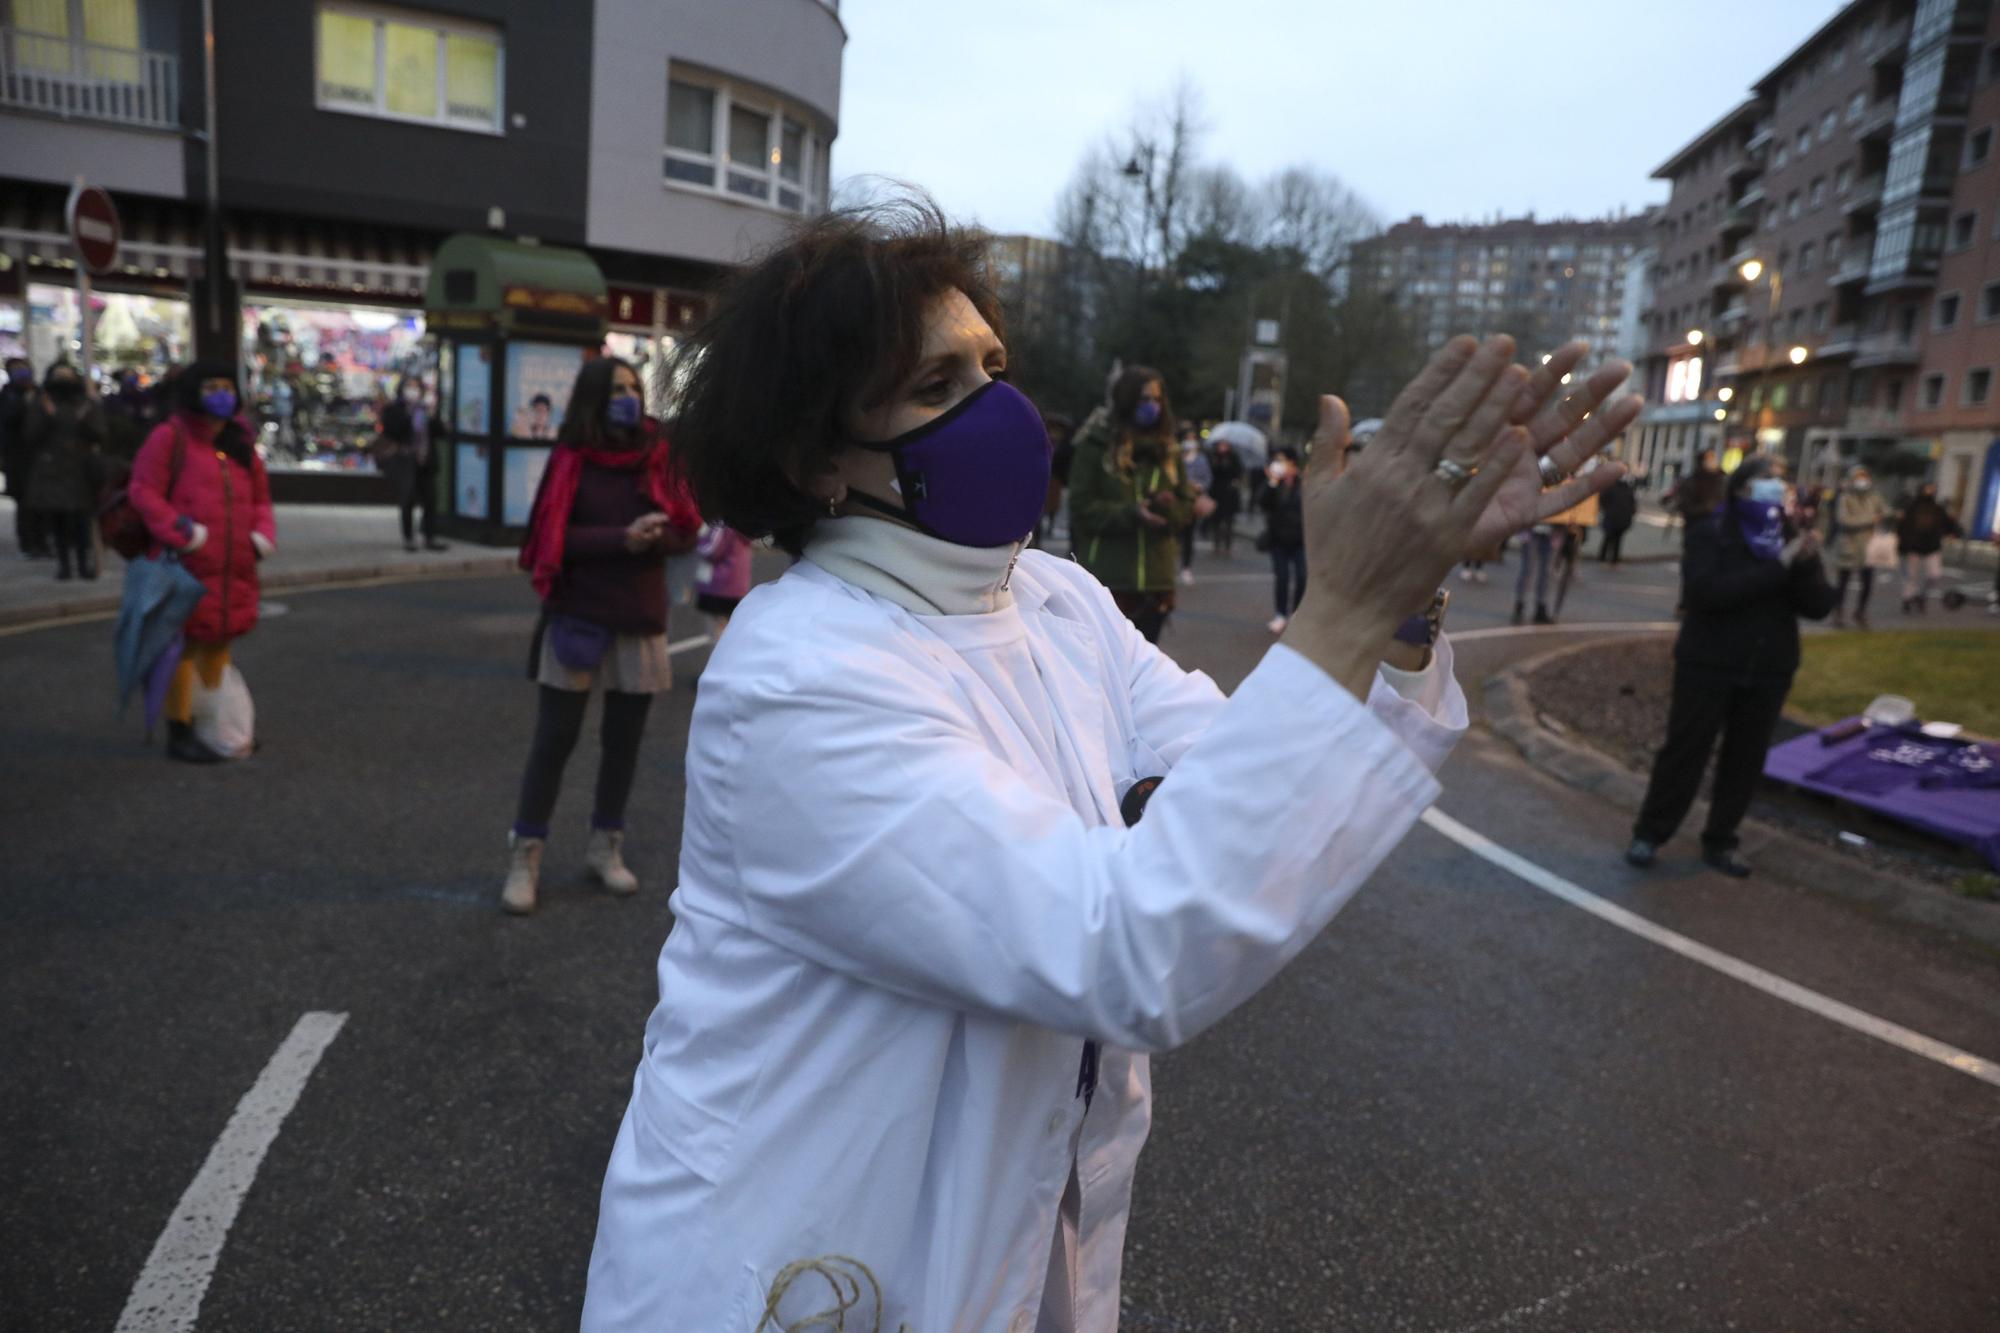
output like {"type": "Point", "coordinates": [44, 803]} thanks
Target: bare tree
{"type": "Point", "coordinates": [1310, 215]}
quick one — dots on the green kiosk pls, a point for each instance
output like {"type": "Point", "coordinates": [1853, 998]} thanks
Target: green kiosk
{"type": "Point", "coordinates": [514, 323]}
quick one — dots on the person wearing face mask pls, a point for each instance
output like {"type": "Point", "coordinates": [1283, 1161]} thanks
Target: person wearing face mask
{"type": "Point", "coordinates": [923, 940]}
{"type": "Point", "coordinates": [17, 398]}
{"type": "Point", "coordinates": [1747, 578]}
{"type": "Point", "coordinates": [65, 438]}
{"type": "Point", "coordinates": [1284, 534]}
{"type": "Point", "coordinates": [1851, 518]}
{"type": "Point", "coordinates": [606, 517]}
{"type": "Point", "coordinates": [202, 490]}
{"type": "Point", "coordinates": [410, 458]}
{"type": "Point", "coordinates": [1226, 490]}
{"type": "Point", "coordinates": [1920, 533]}
{"type": "Point", "coordinates": [1129, 498]}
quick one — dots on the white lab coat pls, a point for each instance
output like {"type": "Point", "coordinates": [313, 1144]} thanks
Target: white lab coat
{"type": "Point", "coordinates": [907, 899]}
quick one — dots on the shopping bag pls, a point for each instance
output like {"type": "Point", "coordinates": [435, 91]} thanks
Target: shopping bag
{"type": "Point", "coordinates": [225, 719]}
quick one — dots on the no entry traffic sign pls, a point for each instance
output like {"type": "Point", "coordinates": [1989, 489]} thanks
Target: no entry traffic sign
{"type": "Point", "coordinates": [93, 228]}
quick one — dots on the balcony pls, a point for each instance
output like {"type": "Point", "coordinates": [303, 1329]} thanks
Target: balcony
{"type": "Point", "coordinates": [1886, 349]}
{"type": "Point", "coordinates": [1724, 278]}
{"type": "Point", "coordinates": [1737, 219]}
{"type": "Point", "coordinates": [1732, 317]}
{"type": "Point", "coordinates": [1728, 366]}
{"type": "Point", "coordinates": [1871, 419]}
{"type": "Point", "coordinates": [1864, 197]}
{"type": "Point", "coordinates": [1840, 340]}
{"type": "Point", "coordinates": [1852, 273]}
{"type": "Point", "coordinates": [1761, 138]}
{"type": "Point", "coordinates": [1889, 47]}
{"type": "Point", "coordinates": [1876, 122]}
{"type": "Point", "coordinates": [73, 80]}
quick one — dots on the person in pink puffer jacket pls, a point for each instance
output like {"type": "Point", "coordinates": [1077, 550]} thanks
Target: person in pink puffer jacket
{"type": "Point", "coordinates": [204, 495]}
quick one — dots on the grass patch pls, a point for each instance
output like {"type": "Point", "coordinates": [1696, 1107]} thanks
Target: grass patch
{"type": "Point", "coordinates": [1951, 676]}
{"type": "Point", "coordinates": [1985, 888]}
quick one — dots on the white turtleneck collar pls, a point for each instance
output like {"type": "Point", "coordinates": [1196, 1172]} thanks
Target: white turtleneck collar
{"type": "Point", "coordinates": [924, 575]}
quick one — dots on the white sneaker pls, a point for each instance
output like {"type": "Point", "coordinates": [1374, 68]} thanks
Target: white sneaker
{"type": "Point", "coordinates": [524, 874]}
{"type": "Point", "coordinates": [1187, 578]}
{"type": "Point", "coordinates": [1277, 625]}
{"type": "Point", "coordinates": [1464, 574]}
{"type": "Point", "coordinates": [1479, 576]}
{"type": "Point", "coordinates": [604, 859]}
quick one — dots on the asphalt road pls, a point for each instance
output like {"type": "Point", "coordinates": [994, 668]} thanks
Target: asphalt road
{"type": "Point", "coordinates": [1468, 1106]}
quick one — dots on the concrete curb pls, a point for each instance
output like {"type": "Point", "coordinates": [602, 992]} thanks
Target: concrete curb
{"type": "Point", "coordinates": [106, 603]}
{"type": "Point", "coordinates": [1510, 712]}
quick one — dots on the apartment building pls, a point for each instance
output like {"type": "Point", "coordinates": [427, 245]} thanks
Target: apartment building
{"type": "Point", "coordinates": [1545, 282]}
{"type": "Point", "coordinates": [1801, 253]}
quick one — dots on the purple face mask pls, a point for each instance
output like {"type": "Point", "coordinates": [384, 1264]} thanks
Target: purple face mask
{"type": "Point", "coordinates": [1763, 526]}
{"type": "Point", "coordinates": [1146, 414]}
{"type": "Point", "coordinates": [978, 475]}
{"type": "Point", "coordinates": [219, 402]}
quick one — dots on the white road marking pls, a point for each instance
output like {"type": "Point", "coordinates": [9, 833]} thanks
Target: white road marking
{"type": "Point", "coordinates": [1986, 1071]}
{"type": "Point", "coordinates": [167, 1296]}
{"type": "Point", "coordinates": [1599, 627]}
{"type": "Point", "coordinates": [689, 645]}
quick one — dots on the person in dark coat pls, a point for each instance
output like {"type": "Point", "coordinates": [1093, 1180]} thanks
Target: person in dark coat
{"type": "Point", "coordinates": [1746, 578]}
{"type": "Point", "coordinates": [411, 462]}
{"type": "Point", "coordinates": [1227, 492]}
{"type": "Point", "coordinates": [1285, 534]}
{"type": "Point", "coordinates": [1920, 533]}
{"type": "Point", "coordinates": [65, 440]}
{"type": "Point", "coordinates": [17, 397]}
{"type": "Point", "coordinates": [1616, 509]}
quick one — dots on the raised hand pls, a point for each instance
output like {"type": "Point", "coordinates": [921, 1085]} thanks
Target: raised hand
{"type": "Point", "coordinates": [1568, 429]}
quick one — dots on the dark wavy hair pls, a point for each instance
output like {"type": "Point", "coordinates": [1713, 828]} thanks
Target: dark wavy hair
{"type": "Point", "coordinates": [827, 324]}
{"type": "Point", "coordinates": [583, 419]}
{"type": "Point", "coordinates": [1125, 430]}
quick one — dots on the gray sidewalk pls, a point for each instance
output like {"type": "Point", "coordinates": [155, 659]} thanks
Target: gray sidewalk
{"type": "Point", "coordinates": [316, 544]}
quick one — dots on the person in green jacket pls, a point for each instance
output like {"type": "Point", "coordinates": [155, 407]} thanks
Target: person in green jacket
{"type": "Point", "coordinates": [1129, 497]}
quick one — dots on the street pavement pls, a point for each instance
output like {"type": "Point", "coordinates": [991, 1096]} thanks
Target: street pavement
{"type": "Point", "coordinates": [1469, 1105]}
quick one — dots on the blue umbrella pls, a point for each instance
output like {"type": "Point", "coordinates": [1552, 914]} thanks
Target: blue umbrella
{"type": "Point", "coordinates": [160, 594]}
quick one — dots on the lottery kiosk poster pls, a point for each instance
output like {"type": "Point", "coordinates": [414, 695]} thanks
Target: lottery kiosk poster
{"type": "Point", "coordinates": [539, 371]}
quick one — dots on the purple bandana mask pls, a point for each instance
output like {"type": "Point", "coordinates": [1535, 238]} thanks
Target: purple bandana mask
{"type": "Point", "coordinates": [977, 475]}
{"type": "Point", "coordinates": [1763, 526]}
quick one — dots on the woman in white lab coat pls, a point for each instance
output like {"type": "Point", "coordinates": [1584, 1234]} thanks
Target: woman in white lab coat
{"type": "Point", "coordinates": [899, 1063]}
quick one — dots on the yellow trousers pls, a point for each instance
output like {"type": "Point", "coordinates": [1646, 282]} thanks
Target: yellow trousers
{"type": "Point", "coordinates": [207, 658]}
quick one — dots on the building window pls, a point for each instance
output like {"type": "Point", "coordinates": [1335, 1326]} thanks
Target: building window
{"type": "Point", "coordinates": [1856, 105]}
{"type": "Point", "coordinates": [1989, 303]}
{"type": "Point", "coordinates": [1978, 146]}
{"type": "Point", "coordinates": [1818, 191]}
{"type": "Point", "coordinates": [1947, 311]}
{"type": "Point", "coordinates": [1792, 206]}
{"type": "Point", "coordinates": [1978, 386]}
{"type": "Point", "coordinates": [1780, 397]}
{"type": "Point", "coordinates": [1892, 396]}
{"type": "Point", "coordinates": [1806, 258]}
{"type": "Point", "coordinates": [1963, 228]}
{"type": "Point", "coordinates": [405, 65]}
{"type": "Point", "coordinates": [1827, 125]}
{"type": "Point", "coordinates": [1804, 141]}
{"type": "Point", "coordinates": [1821, 317]}
{"type": "Point", "coordinates": [737, 142]}
{"type": "Point", "coordinates": [1781, 156]}
{"type": "Point", "coordinates": [1933, 391]}
{"type": "Point", "coordinates": [107, 29]}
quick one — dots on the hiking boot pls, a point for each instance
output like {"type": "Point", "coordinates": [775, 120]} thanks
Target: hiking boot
{"type": "Point", "coordinates": [524, 874]}
{"type": "Point", "coordinates": [604, 859]}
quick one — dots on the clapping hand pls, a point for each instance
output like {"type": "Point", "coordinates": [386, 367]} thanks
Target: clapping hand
{"type": "Point", "coordinates": [1453, 470]}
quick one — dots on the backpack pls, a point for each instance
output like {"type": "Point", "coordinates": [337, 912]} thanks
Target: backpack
{"type": "Point", "coordinates": [124, 528]}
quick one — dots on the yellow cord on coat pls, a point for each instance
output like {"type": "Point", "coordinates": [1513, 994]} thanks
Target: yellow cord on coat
{"type": "Point", "coordinates": [839, 1273]}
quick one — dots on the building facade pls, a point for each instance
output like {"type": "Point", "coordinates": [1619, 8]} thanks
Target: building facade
{"type": "Point", "coordinates": [1545, 282]}
{"type": "Point", "coordinates": [668, 138]}
{"type": "Point", "coordinates": [1797, 289]}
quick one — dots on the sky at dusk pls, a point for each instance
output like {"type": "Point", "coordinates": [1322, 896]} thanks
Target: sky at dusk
{"type": "Point", "coordinates": [1456, 109]}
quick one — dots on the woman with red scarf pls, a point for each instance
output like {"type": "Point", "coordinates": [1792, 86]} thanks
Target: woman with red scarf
{"type": "Point", "coordinates": [606, 517]}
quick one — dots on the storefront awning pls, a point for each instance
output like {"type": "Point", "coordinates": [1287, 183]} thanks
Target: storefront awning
{"type": "Point", "coordinates": [161, 241]}
{"type": "Point", "coordinates": [327, 260]}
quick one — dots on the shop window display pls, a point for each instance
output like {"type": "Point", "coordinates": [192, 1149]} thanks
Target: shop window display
{"type": "Point", "coordinates": [318, 375]}
{"type": "Point", "coordinates": [128, 330]}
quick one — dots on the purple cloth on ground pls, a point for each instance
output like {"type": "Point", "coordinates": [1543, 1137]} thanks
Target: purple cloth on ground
{"type": "Point", "coordinates": [1967, 815]}
{"type": "Point", "coordinates": [1899, 756]}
